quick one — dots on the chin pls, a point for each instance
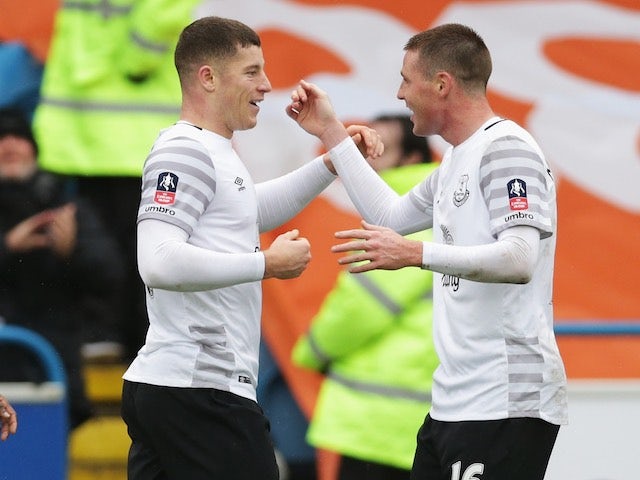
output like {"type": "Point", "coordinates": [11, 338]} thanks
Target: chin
{"type": "Point", "coordinates": [251, 123]}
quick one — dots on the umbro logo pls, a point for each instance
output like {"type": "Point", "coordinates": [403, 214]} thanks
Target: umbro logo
{"type": "Point", "coordinates": [239, 181]}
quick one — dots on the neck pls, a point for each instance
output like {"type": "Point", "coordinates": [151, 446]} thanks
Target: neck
{"type": "Point", "coordinates": [465, 119]}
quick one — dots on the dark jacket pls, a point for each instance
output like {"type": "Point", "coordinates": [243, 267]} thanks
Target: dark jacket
{"type": "Point", "coordinates": [38, 287]}
{"type": "Point", "coordinates": [59, 298]}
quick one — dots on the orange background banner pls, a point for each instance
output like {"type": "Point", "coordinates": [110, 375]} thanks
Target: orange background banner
{"type": "Point", "coordinates": [570, 77]}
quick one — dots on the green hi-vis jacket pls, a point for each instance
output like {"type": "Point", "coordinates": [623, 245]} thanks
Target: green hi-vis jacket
{"type": "Point", "coordinates": [372, 338]}
{"type": "Point", "coordinates": [109, 84]}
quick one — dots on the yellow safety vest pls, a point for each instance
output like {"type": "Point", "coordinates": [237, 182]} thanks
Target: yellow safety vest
{"type": "Point", "coordinates": [372, 339]}
{"type": "Point", "coordinates": [109, 84]}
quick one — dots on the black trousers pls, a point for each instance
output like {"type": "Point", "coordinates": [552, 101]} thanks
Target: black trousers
{"type": "Point", "coordinates": [509, 449]}
{"type": "Point", "coordinates": [195, 434]}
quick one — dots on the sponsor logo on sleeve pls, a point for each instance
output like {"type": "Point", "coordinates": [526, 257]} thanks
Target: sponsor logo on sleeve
{"type": "Point", "coordinates": [166, 188]}
{"type": "Point", "coordinates": [517, 189]}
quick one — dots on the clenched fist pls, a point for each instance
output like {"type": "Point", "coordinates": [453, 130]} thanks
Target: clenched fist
{"type": "Point", "coordinates": [288, 256]}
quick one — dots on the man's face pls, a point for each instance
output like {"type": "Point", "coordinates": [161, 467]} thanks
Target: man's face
{"type": "Point", "coordinates": [241, 84]}
{"type": "Point", "coordinates": [420, 95]}
{"type": "Point", "coordinates": [17, 158]}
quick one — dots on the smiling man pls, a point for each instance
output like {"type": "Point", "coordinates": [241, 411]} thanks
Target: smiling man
{"type": "Point", "coordinates": [189, 397]}
{"type": "Point", "coordinates": [499, 393]}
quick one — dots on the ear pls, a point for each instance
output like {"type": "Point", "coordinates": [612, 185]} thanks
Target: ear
{"type": "Point", "coordinates": [207, 78]}
{"type": "Point", "coordinates": [444, 82]}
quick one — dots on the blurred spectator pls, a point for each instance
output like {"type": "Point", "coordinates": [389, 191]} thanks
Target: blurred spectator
{"type": "Point", "coordinates": [372, 339]}
{"type": "Point", "coordinates": [60, 269]}
{"type": "Point", "coordinates": [109, 86]}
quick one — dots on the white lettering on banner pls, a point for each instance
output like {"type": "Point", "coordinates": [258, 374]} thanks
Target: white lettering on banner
{"type": "Point", "coordinates": [587, 130]}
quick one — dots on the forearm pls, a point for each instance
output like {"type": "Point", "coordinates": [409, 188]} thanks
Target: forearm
{"type": "Point", "coordinates": [509, 260]}
{"type": "Point", "coordinates": [373, 198]}
{"type": "Point", "coordinates": [284, 197]}
{"type": "Point", "coordinates": [167, 261]}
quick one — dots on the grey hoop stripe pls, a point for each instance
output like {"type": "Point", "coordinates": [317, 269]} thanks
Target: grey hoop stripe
{"type": "Point", "coordinates": [525, 372]}
{"type": "Point", "coordinates": [206, 331]}
{"type": "Point", "coordinates": [209, 362]}
{"type": "Point", "coordinates": [212, 351]}
{"type": "Point", "coordinates": [522, 341]}
{"type": "Point", "coordinates": [510, 153]}
{"type": "Point", "coordinates": [175, 164]}
{"type": "Point", "coordinates": [89, 106]}
{"type": "Point", "coordinates": [175, 152]}
{"type": "Point", "coordinates": [386, 391]}
{"type": "Point", "coordinates": [525, 358]}
{"type": "Point", "coordinates": [524, 396]}
{"type": "Point", "coordinates": [525, 378]}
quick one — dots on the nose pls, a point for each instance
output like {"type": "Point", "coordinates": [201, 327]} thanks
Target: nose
{"type": "Point", "coordinates": [265, 85]}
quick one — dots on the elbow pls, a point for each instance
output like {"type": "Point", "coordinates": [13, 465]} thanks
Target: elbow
{"type": "Point", "coordinates": [152, 277]}
{"type": "Point", "coordinates": [522, 278]}
{"type": "Point", "coordinates": [520, 260]}
{"type": "Point", "coordinates": [149, 278]}
{"type": "Point", "coordinates": [522, 274]}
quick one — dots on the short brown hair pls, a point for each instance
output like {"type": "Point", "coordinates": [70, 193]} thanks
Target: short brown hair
{"type": "Point", "coordinates": [456, 49]}
{"type": "Point", "coordinates": [211, 39]}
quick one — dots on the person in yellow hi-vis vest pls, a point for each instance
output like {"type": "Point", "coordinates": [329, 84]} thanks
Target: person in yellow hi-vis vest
{"type": "Point", "coordinates": [372, 340]}
{"type": "Point", "coordinates": [109, 86]}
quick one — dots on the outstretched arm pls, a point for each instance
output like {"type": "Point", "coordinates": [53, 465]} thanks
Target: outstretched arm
{"type": "Point", "coordinates": [311, 108]}
{"type": "Point", "coordinates": [282, 198]}
{"type": "Point", "coordinates": [510, 259]}
{"type": "Point", "coordinates": [167, 261]}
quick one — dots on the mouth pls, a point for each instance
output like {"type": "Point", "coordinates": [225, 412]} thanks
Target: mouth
{"type": "Point", "coordinates": [255, 103]}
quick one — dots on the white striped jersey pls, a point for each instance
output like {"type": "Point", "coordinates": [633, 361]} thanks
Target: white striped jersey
{"type": "Point", "coordinates": [194, 179]}
{"type": "Point", "coordinates": [499, 358]}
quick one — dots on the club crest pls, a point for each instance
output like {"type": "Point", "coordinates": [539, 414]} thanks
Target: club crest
{"type": "Point", "coordinates": [461, 193]}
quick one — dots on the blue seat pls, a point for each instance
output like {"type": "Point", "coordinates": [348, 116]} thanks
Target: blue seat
{"type": "Point", "coordinates": [39, 449]}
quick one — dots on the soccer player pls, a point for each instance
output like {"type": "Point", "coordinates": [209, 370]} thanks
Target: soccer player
{"type": "Point", "coordinates": [499, 393]}
{"type": "Point", "coordinates": [189, 397]}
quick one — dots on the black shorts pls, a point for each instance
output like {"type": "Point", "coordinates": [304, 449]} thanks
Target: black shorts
{"type": "Point", "coordinates": [510, 449]}
{"type": "Point", "coordinates": [195, 434]}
